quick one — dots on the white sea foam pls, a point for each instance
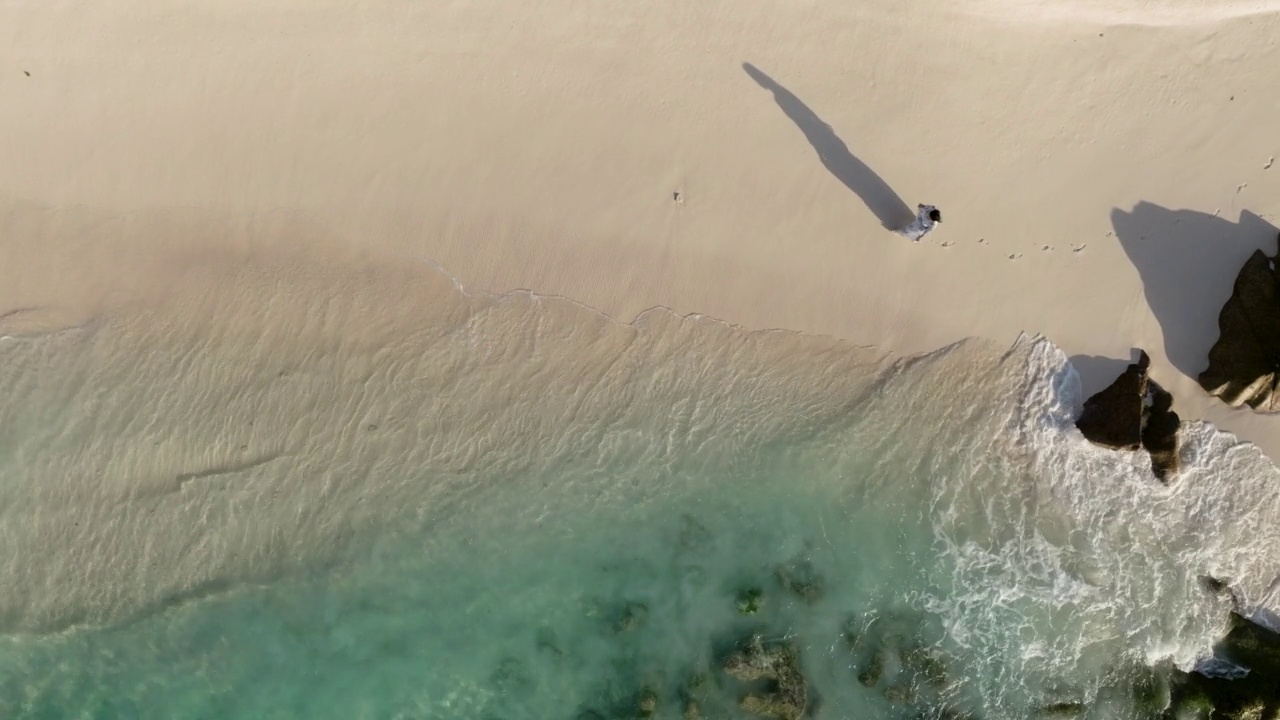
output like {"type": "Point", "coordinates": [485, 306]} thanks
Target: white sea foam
{"type": "Point", "coordinates": [1084, 557]}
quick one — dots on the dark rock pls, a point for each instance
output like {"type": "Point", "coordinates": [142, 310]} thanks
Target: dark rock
{"type": "Point", "coordinates": [548, 643]}
{"type": "Point", "coordinates": [802, 580]}
{"type": "Point", "coordinates": [647, 703]}
{"type": "Point", "coordinates": [1190, 700]}
{"type": "Point", "coordinates": [1160, 433]}
{"type": "Point", "coordinates": [1254, 696]}
{"type": "Point", "coordinates": [1113, 417]}
{"type": "Point", "coordinates": [510, 677]}
{"type": "Point", "coordinates": [697, 686]}
{"type": "Point", "coordinates": [786, 692]}
{"type": "Point", "coordinates": [771, 706]}
{"type": "Point", "coordinates": [1135, 412]}
{"type": "Point", "coordinates": [925, 666]}
{"type": "Point", "coordinates": [900, 694]}
{"type": "Point", "coordinates": [889, 649]}
{"type": "Point", "coordinates": [871, 674]}
{"type": "Point", "coordinates": [1253, 646]}
{"type": "Point", "coordinates": [749, 601]}
{"type": "Point", "coordinates": [1150, 690]}
{"type": "Point", "coordinates": [693, 534]}
{"type": "Point", "coordinates": [697, 683]}
{"type": "Point", "coordinates": [898, 653]}
{"type": "Point", "coordinates": [1141, 688]}
{"type": "Point", "coordinates": [633, 615]}
{"type": "Point", "coordinates": [750, 662]}
{"type": "Point", "coordinates": [1062, 710]}
{"type": "Point", "coordinates": [693, 693]}
{"type": "Point", "coordinates": [854, 634]}
{"type": "Point", "coordinates": [861, 632]}
{"type": "Point", "coordinates": [1244, 361]}
{"type": "Point", "coordinates": [1213, 585]}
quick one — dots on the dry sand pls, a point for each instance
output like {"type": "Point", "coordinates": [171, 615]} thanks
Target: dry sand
{"type": "Point", "coordinates": [1103, 167]}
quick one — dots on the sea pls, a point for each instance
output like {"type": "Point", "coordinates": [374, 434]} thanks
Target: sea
{"type": "Point", "coordinates": [278, 497]}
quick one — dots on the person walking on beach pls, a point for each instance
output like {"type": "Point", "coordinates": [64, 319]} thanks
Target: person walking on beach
{"type": "Point", "coordinates": [926, 217]}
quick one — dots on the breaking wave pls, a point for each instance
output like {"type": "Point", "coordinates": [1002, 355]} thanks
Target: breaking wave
{"type": "Point", "coordinates": [338, 500]}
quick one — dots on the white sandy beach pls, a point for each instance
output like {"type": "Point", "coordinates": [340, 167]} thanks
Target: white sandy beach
{"type": "Point", "coordinates": [1103, 168]}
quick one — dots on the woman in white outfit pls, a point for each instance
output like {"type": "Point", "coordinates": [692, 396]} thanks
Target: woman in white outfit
{"type": "Point", "coordinates": [926, 218]}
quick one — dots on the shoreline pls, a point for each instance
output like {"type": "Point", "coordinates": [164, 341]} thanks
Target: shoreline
{"type": "Point", "coordinates": [273, 241]}
{"type": "Point", "coordinates": [627, 158]}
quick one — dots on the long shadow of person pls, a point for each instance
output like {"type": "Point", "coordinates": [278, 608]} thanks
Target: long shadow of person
{"type": "Point", "coordinates": [862, 180]}
{"type": "Point", "coordinates": [1188, 262]}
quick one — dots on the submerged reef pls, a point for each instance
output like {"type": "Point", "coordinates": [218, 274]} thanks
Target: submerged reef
{"type": "Point", "coordinates": [784, 693]}
{"type": "Point", "coordinates": [889, 656]}
{"type": "Point", "coordinates": [752, 663]}
{"type": "Point", "coordinates": [1244, 363]}
{"type": "Point", "coordinates": [750, 600]}
{"type": "Point", "coordinates": [1135, 412]}
{"type": "Point", "coordinates": [632, 616]}
{"type": "Point", "coordinates": [802, 580]}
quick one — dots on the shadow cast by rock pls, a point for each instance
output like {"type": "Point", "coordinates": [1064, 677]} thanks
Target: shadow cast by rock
{"type": "Point", "coordinates": [1188, 262]}
{"type": "Point", "coordinates": [1098, 371]}
{"type": "Point", "coordinates": [892, 211]}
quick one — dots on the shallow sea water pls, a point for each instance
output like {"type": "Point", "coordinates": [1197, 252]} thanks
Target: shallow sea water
{"type": "Point", "coordinates": [268, 502]}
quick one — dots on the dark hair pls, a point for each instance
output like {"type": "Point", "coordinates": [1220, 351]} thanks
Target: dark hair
{"type": "Point", "coordinates": [935, 215]}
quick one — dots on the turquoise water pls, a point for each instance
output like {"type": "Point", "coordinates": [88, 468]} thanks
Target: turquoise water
{"type": "Point", "coordinates": [520, 624]}
{"type": "Point", "coordinates": [512, 508]}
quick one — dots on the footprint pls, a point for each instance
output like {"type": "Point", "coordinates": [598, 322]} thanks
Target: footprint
{"type": "Point", "coordinates": [1047, 248]}
{"type": "Point", "coordinates": [1015, 256]}
{"type": "Point", "coordinates": [948, 243]}
{"type": "Point", "coordinates": [677, 196]}
{"type": "Point", "coordinates": [1075, 249]}
{"type": "Point", "coordinates": [982, 241]}
{"type": "Point", "coordinates": [1241, 186]}
{"type": "Point", "coordinates": [1270, 161]}
{"type": "Point", "coordinates": [1110, 233]}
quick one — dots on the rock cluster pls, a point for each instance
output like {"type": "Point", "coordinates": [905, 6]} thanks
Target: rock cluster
{"type": "Point", "coordinates": [891, 655]}
{"type": "Point", "coordinates": [784, 694]}
{"type": "Point", "coordinates": [1135, 412]}
{"type": "Point", "coordinates": [1244, 363]}
{"type": "Point", "coordinates": [1250, 646]}
{"type": "Point", "coordinates": [632, 616]}
{"type": "Point", "coordinates": [888, 656]}
{"type": "Point", "coordinates": [802, 580]}
{"type": "Point", "coordinates": [750, 600]}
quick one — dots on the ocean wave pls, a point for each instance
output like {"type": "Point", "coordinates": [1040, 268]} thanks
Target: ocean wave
{"type": "Point", "coordinates": [211, 468]}
{"type": "Point", "coordinates": [1082, 558]}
